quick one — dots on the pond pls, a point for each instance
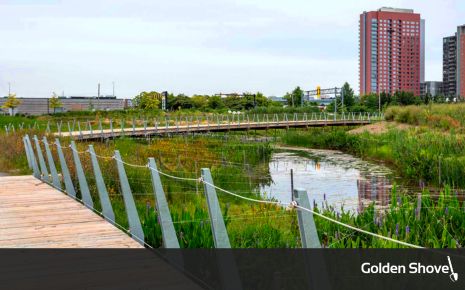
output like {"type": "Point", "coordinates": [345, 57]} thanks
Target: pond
{"type": "Point", "coordinates": [340, 179]}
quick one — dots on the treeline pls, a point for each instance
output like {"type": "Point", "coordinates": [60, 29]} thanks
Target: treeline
{"type": "Point", "coordinates": [239, 102]}
{"type": "Point", "coordinates": [293, 101]}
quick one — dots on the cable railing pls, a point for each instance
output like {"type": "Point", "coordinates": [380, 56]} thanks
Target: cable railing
{"type": "Point", "coordinates": [110, 128]}
{"type": "Point", "coordinates": [45, 169]}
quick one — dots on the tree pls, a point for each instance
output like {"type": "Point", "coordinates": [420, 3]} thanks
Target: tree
{"type": "Point", "coordinates": [295, 98]}
{"type": "Point", "coordinates": [181, 101]}
{"type": "Point", "coordinates": [11, 103]}
{"type": "Point", "coordinates": [235, 102]}
{"type": "Point", "coordinates": [147, 100]}
{"type": "Point", "coordinates": [55, 103]}
{"type": "Point", "coordinates": [199, 101]}
{"type": "Point", "coordinates": [215, 102]}
{"type": "Point", "coordinates": [348, 93]}
{"type": "Point", "coordinates": [405, 98]}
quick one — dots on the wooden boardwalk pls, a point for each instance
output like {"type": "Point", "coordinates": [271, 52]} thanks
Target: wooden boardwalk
{"type": "Point", "coordinates": [35, 215]}
{"type": "Point", "coordinates": [206, 127]}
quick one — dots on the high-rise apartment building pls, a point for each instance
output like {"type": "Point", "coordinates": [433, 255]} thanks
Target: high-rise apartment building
{"type": "Point", "coordinates": [392, 51]}
{"type": "Point", "coordinates": [449, 66]}
{"type": "Point", "coordinates": [453, 64]}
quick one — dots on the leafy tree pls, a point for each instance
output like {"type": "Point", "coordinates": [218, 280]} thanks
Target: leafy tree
{"type": "Point", "coordinates": [181, 101]}
{"type": "Point", "coordinates": [370, 101]}
{"type": "Point", "coordinates": [215, 102]}
{"type": "Point", "coordinates": [147, 100]}
{"type": "Point", "coordinates": [11, 103]}
{"type": "Point", "coordinates": [199, 101]}
{"type": "Point", "coordinates": [235, 102]}
{"type": "Point", "coordinates": [294, 98]}
{"type": "Point", "coordinates": [55, 103]}
{"type": "Point", "coordinates": [406, 98]}
{"type": "Point", "coordinates": [349, 99]}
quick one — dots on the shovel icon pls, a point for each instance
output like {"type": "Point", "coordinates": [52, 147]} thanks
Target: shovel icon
{"type": "Point", "coordinates": [453, 276]}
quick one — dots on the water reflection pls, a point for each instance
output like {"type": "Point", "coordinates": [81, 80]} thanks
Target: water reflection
{"type": "Point", "coordinates": [331, 177]}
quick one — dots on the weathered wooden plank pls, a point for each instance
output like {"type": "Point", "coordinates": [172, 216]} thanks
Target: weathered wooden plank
{"type": "Point", "coordinates": [58, 222]}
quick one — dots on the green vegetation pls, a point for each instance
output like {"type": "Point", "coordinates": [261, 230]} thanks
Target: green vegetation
{"type": "Point", "coordinates": [430, 148]}
{"type": "Point", "coordinates": [11, 103]}
{"type": "Point", "coordinates": [55, 103]}
{"type": "Point", "coordinates": [437, 221]}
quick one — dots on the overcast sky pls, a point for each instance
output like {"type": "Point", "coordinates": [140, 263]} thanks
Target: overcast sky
{"type": "Point", "coordinates": [201, 46]}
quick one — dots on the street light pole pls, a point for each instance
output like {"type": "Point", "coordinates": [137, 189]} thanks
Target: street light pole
{"type": "Point", "coordinates": [9, 88]}
{"type": "Point", "coordinates": [379, 103]}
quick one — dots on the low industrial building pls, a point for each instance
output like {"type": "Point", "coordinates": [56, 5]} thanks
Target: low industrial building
{"type": "Point", "coordinates": [41, 106]}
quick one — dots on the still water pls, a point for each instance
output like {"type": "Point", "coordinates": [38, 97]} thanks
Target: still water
{"type": "Point", "coordinates": [340, 179]}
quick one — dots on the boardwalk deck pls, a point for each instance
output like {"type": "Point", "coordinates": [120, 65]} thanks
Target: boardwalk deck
{"type": "Point", "coordinates": [35, 215]}
{"type": "Point", "coordinates": [206, 127]}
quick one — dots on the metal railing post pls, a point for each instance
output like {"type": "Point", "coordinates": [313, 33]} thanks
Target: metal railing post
{"type": "Point", "coordinates": [35, 166]}
{"type": "Point", "coordinates": [26, 149]}
{"type": "Point", "coordinates": [220, 235]}
{"type": "Point", "coordinates": [84, 188]}
{"type": "Point", "coordinates": [111, 128]}
{"type": "Point", "coordinates": [100, 127]}
{"type": "Point", "coordinates": [43, 167]}
{"type": "Point", "coordinates": [308, 233]}
{"type": "Point", "coordinates": [70, 133]}
{"type": "Point", "coordinates": [90, 129]}
{"type": "Point", "coordinates": [59, 127]}
{"type": "Point", "coordinates": [135, 227]}
{"type": "Point", "coordinates": [64, 170]}
{"type": "Point", "coordinates": [170, 239]}
{"type": "Point", "coordinates": [107, 209]}
{"type": "Point", "coordinates": [79, 127]}
{"type": "Point", "coordinates": [51, 164]}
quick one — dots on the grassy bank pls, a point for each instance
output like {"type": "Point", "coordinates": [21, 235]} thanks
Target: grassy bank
{"type": "Point", "coordinates": [418, 153]}
{"type": "Point", "coordinates": [240, 166]}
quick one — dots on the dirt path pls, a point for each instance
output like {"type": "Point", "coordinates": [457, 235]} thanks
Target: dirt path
{"type": "Point", "coordinates": [380, 127]}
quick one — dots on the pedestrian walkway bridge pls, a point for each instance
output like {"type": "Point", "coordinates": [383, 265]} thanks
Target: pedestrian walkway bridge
{"type": "Point", "coordinates": [87, 130]}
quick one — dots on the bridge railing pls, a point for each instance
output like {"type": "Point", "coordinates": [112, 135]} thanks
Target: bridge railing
{"type": "Point", "coordinates": [46, 170]}
{"type": "Point", "coordinates": [48, 163]}
{"type": "Point", "coordinates": [110, 127]}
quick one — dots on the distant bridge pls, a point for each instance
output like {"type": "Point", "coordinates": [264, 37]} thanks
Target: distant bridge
{"type": "Point", "coordinates": [217, 123]}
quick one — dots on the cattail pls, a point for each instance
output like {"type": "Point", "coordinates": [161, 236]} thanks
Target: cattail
{"type": "Point", "coordinates": [407, 229]}
{"type": "Point", "coordinates": [397, 229]}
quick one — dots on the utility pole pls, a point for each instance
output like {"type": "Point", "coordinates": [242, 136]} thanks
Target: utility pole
{"type": "Point", "coordinates": [9, 88]}
{"type": "Point", "coordinates": [379, 103]}
{"type": "Point", "coordinates": [342, 98]}
{"type": "Point", "coordinates": [113, 89]}
{"type": "Point", "coordinates": [98, 95]}
{"type": "Point", "coordinates": [292, 184]}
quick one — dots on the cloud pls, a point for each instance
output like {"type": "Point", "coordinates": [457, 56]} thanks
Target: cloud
{"type": "Point", "coordinates": [203, 46]}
